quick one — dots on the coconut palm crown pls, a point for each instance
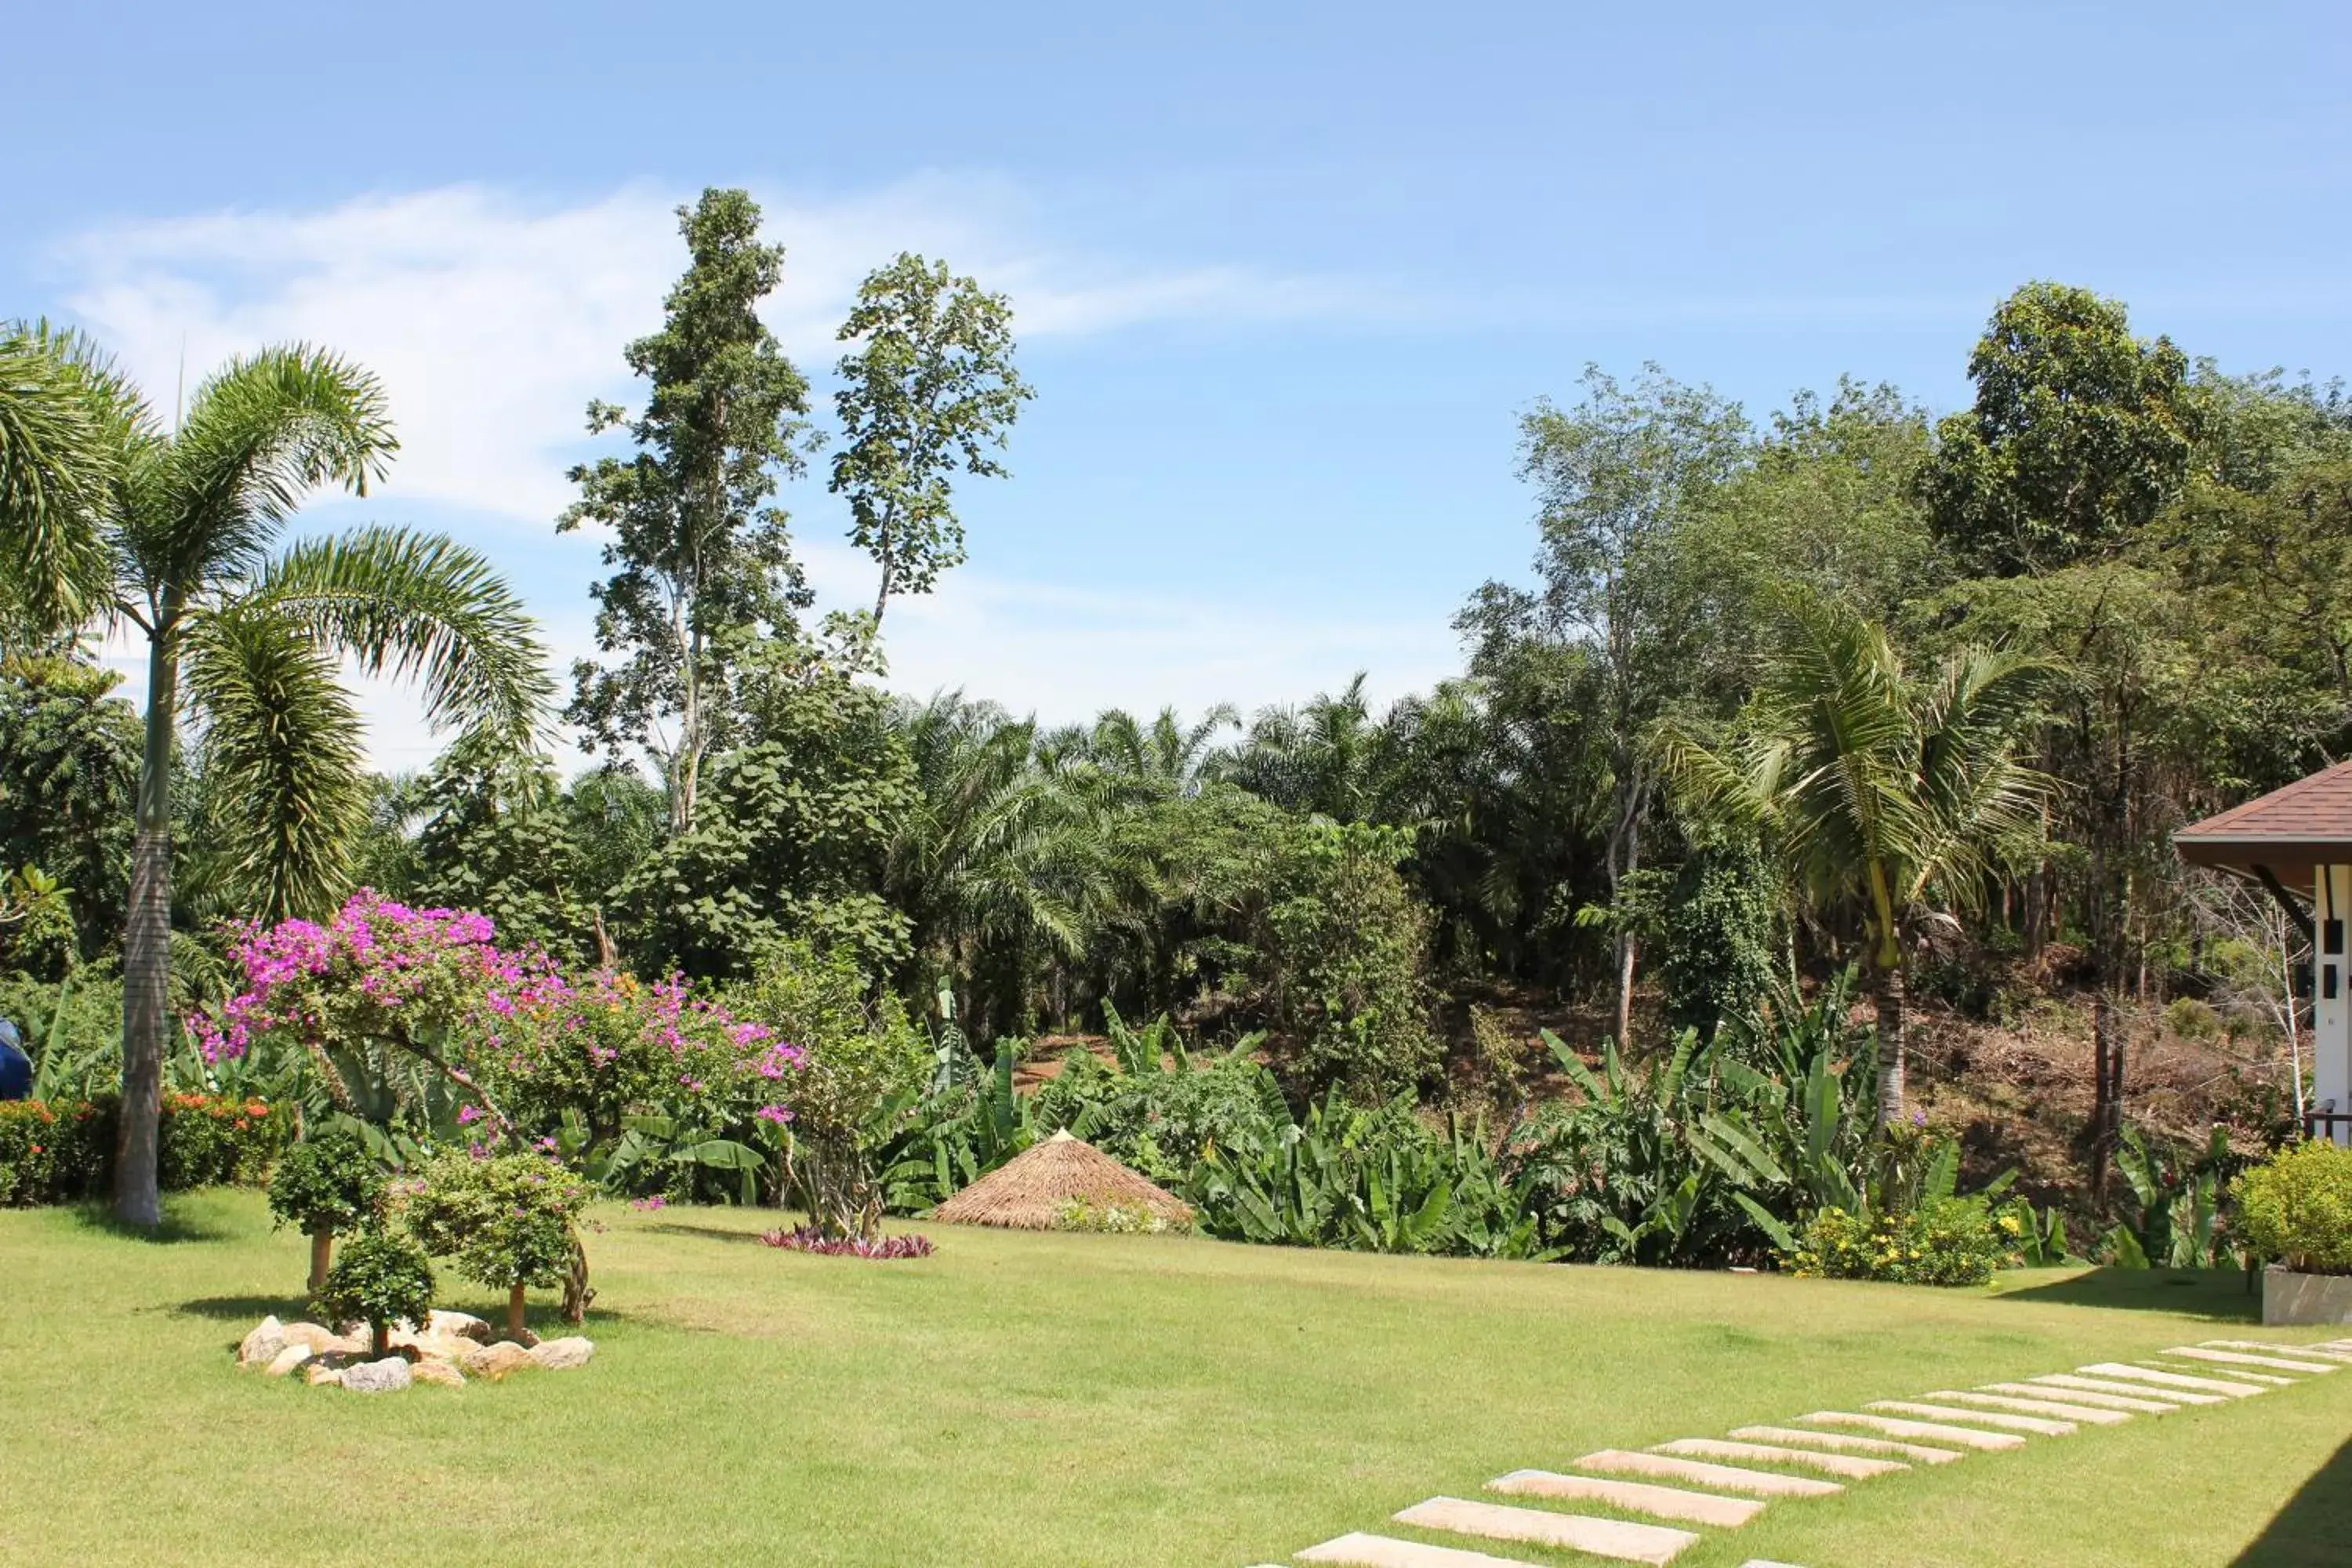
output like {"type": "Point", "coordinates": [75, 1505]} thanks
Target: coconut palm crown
{"type": "Point", "coordinates": [1897, 797]}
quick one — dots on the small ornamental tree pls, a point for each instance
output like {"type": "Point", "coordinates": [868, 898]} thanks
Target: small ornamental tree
{"type": "Point", "coordinates": [383, 1277]}
{"type": "Point", "coordinates": [323, 1186]}
{"type": "Point", "coordinates": [507, 1220]}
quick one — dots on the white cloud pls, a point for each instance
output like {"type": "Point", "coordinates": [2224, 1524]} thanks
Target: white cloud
{"type": "Point", "coordinates": [493, 321]}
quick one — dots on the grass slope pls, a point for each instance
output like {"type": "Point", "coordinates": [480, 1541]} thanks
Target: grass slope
{"type": "Point", "coordinates": [1099, 1400]}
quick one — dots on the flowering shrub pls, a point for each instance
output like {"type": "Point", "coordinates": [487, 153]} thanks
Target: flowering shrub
{"type": "Point", "coordinates": [1945, 1241]}
{"type": "Point", "coordinates": [58, 1151]}
{"type": "Point", "coordinates": [807, 1238]}
{"type": "Point", "coordinates": [510, 1222]}
{"type": "Point", "coordinates": [533, 1056]}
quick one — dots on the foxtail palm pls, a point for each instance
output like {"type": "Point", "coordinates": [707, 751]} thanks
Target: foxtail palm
{"type": "Point", "coordinates": [174, 534]}
{"type": "Point", "coordinates": [1901, 797]}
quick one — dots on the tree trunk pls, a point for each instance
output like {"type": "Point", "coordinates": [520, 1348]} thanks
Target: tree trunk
{"type": "Point", "coordinates": [147, 943]}
{"type": "Point", "coordinates": [1890, 1046]}
{"type": "Point", "coordinates": [1628, 955]}
{"type": "Point", "coordinates": [322, 1253]}
{"type": "Point", "coordinates": [514, 1311]}
{"type": "Point", "coordinates": [2108, 1088]}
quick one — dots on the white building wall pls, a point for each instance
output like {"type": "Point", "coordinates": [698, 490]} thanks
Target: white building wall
{"type": "Point", "coordinates": [2331, 1006]}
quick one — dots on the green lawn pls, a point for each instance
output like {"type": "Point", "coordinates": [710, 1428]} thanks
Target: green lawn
{"type": "Point", "coordinates": [1066, 1399]}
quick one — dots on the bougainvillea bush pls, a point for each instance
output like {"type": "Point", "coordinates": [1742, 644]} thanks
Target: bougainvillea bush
{"type": "Point", "coordinates": [634, 1081]}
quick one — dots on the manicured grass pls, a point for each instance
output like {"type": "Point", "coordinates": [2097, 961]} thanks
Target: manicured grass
{"type": "Point", "coordinates": [1064, 1399]}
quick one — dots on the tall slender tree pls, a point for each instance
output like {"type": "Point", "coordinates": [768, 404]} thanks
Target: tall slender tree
{"type": "Point", "coordinates": [699, 552]}
{"type": "Point", "coordinates": [928, 390]}
{"type": "Point", "coordinates": [181, 522]}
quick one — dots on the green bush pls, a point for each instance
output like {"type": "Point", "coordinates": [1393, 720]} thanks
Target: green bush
{"type": "Point", "coordinates": [1945, 1241]}
{"type": "Point", "coordinates": [383, 1277]}
{"type": "Point", "coordinates": [2297, 1208]}
{"type": "Point", "coordinates": [324, 1186]}
{"type": "Point", "coordinates": [509, 1222]}
{"type": "Point", "coordinates": [56, 1152]}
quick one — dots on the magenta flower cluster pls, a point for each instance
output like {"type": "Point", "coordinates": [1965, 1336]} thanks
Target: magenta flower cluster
{"type": "Point", "coordinates": [526, 1040]}
{"type": "Point", "coordinates": [807, 1238]}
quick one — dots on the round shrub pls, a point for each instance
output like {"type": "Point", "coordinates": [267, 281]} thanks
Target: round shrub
{"type": "Point", "coordinates": [383, 1277]}
{"type": "Point", "coordinates": [324, 1186]}
{"type": "Point", "coordinates": [509, 1221]}
{"type": "Point", "coordinates": [2296, 1209]}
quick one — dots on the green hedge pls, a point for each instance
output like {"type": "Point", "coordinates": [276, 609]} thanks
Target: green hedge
{"type": "Point", "coordinates": [54, 1153]}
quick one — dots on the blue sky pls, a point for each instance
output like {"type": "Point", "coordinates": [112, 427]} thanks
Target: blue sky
{"type": "Point", "coordinates": [1285, 276]}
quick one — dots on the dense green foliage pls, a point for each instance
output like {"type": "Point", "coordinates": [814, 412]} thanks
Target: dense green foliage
{"type": "Point", "coordinates": [1945, 1241]}
{"type": "Point", "coordinates": [381, 1279]}
{"type": "Point", "coordinates": [2296, 1208]}
{"type": "Point", "coordinates": [326, 1183]}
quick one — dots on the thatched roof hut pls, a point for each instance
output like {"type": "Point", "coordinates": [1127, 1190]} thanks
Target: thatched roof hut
{"type": "Point", "coordinates": [1030, 1190]}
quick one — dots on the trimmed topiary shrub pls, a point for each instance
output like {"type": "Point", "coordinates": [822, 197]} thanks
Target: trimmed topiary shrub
{"type": "Point", "coordinates": [324, 1186]}
{"type": "Point", "coordinates": [383, 1277]}
{"type": "Point", "coordinates": [509, 1222]}
{"type": "Point", "coordinates": [2296, 1209]}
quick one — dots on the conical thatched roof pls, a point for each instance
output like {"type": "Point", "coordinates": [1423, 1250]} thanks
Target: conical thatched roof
{"type": "Point", "coordinates": [1028, 1192]}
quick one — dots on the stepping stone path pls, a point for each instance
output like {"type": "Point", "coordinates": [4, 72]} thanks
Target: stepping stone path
{"type": "Point", "coordinates": [1726, 1478]}
{"type": "Point", "coordinates": [2175, 1379]}
{"type": "Point", "coordinates": [1885, 1438]}
{"type": "Point", "coordinates": [1602, 1537]}
{"type": "Point", "coordinates": [1846, 1464]}
{"type": "Point", "coordinates": [2033, 1424]}
{"type": "Point", "coordinates": [2082, 1415]}
{"type": "Point", "coordinates": [2178, 1397]}
{"type": "Point", "coordinates": [1840, 1442]}
{"type": "Point", "coordinates": [1633, 1497]}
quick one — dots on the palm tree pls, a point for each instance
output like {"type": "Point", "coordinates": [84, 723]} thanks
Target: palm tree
{"type": "Point", "coordinates": [173, 533]}
{"type": "Point", "coordinates": [1900, 795]}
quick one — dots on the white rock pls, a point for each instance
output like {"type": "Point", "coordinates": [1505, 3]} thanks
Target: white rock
{"type": "Point", "coordinates": [287, 1360]}
{"type": "Point", "coordinates": [386, 1376]}
{"type": "Point", "coordinates": [561, 1355]}
{"type": "Point", "coordinates": [260, 1347]}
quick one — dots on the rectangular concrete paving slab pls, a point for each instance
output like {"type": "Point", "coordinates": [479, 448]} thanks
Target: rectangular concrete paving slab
{"type": "Point", "coordinates": [1723, 1477]}
{"type": "Point", "coordinates": [1853, 1466]}
{"type": "Point", "coordinates": [2245, 1358]}
{"type": "Point", "coordinates": [2170, 1379]}
{"type": "Point", "coordinates": [2235, 1374]}
{"type": "Point", "coordinates": [1846, 1442]}
{"type": "Point", "coordinates": [1616, 1538]}
{"type": "Point", "coordinates": [1974, 1437]}
{"type": "Point", "coordinates": [2079, 1399]}
{"type": "Point", "coordinates": [1362, 1550]}
{"type": "Point", "coordinates": [2036, 1425]}
{"type": "Point", "coordinates": [2173, 1397]}
{"type": "Point", "coordinates": [2319, 1350]}
{"type": "Point", "coordinates": [1633, 1497]}
{"type": "Point", "coordinates": [2082, 1415]}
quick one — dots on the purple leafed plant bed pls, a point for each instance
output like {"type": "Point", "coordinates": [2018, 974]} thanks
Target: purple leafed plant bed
{"type": "Point", "coordinates": [806, 1239]}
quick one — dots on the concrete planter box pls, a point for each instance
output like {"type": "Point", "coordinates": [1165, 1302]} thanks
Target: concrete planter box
{"type": "Point", "coordinates": [2299, 1299]}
